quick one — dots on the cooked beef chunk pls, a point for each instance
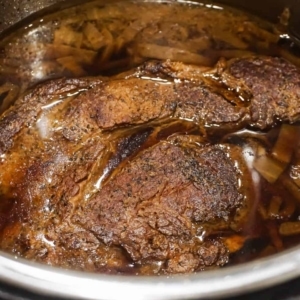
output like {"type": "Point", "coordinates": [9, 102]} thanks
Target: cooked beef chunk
{"type": "Point", "coordinates": [275, 87]}
{"type": "Point", "coordinates": [47, 194]}
{"type": "Point", "coordinates": [28, 107]}
{"type": "Point", "coordinates": [264, 84]}
{"type": "Point", "coordinates": [92, 177]}
{"type": "Point", "coordinates": [119, 102]}
{"type": "Point", "coordinates": [154, 205]}
{"type": "Point", "coordinates": [268, 86]}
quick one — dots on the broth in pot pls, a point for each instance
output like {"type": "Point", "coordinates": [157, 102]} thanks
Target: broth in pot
{"type": "Point", "coordinates": [149, 138]}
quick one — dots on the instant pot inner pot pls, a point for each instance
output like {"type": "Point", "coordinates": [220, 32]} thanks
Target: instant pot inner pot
{"type": "Point", "coordinates": [254, 274]}
{"type": "Point", "coordinates": [14, 11]}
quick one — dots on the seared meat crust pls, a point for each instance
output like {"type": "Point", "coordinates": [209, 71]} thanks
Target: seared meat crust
{"type": "Point", "coordinates": [91, 184]}
{"type": "Point", "coordinates": [152, 206]}
{"type": "Point", "coordinates": [275, 87]}
{"type": "Point", "coordinates": [268, 86]}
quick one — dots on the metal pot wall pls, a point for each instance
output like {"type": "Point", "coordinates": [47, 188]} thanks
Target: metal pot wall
{"type": "Point", "coordinates": [220, 283]}
{"type": "Point", "coordinates": [14, 11]}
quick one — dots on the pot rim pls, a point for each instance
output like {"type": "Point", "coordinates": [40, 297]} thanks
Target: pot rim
{"type": "Point", "coordinates": [230, 281]}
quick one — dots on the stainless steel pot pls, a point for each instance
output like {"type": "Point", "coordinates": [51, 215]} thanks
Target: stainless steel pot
{"type": "Point", "coordinates": [16, 10]}
{"type": "Point", "coordinates": [211, 284]}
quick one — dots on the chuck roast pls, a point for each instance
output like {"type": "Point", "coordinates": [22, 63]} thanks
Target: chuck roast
{"type": "Point", "coordinates": [257, 91]}
{"type": "Point", "coordinates": [153, 211]}
{"type": "Point", "coordinates": [98, 175]}
{"type": "Point", "coordinates": [268, 86]}
{"type": "Point", "coordinates": [153, 206]}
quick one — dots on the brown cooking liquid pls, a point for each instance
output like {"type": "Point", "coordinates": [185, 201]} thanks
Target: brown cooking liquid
{"type": "Point", "coordinates": [97, 39]}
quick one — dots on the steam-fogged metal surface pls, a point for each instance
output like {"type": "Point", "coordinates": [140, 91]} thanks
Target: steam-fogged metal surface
{"type": "Point", "coordinates": [15, 10]}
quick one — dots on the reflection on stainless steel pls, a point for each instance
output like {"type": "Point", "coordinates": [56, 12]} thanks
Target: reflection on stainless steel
{"type": "Point", "coordinates": [14, 11]}
{"type": "Point", "coordinates": [208, 285]}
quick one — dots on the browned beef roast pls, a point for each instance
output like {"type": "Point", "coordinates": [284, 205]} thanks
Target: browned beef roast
{"type": "Point", "coordinates": [152, 207]}
{"type": "Point", "coordinates": [268, 86]}
{"type": "Point", "coordinates": [156, 206]}
{"type": "Point", "coordinates": [92, 176]}
{"type": "Point", "coordinates": [257, 91]}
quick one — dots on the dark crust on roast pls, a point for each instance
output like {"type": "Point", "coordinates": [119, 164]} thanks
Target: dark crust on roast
{"type": "Point", "coordinates": [28, 106]}
{"type": "Point", "coordinates": [136, 101]}
{"type": "Point", "coordinates": [152, 207]}
{"type": "Point", "coordinates": [275, 87]}
{"type": "Point", "coordinates": [273, 84]}
{"type": "Point", "coordinates": [150, 211]}
{"type": "Point", "coordinates": [120, 102]}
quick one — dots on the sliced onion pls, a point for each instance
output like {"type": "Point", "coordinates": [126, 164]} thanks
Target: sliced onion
{"type": "Point", "coordinates": [291, 187]}
{"type": "Point", "coordinates": [234, 243]}
{"type": "Point", "coordinates": [286, 143]}
{"type": "Point", "coordinates": [274, 235]}
{"type": "Point", "coordinates": [274, 207]}
{"type": "Point", "coordinates": [164, 52]}
{"type": "Point", "coordinates": [93, 38]}
{"type": "Point", "coordinates": [289, 228]}
{"type": "Point", "coordinates": [70, 63]}
{"type": "Point", "coordinates": [65, 35]}
{"type": "Point", "coordinates": [52, 51]}
{"type": "Point", "coordinates": [262, 211]}
{"type": "Point", "coordinates": [269, 168]}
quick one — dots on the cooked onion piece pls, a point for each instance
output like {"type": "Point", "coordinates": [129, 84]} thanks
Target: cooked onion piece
{"type": "Point", "coordinates": [278, 209]}
{"type": "Point", "coordinates": [269, 168]}
{"type": "Point", "coordinates": [274, 207]}
{"type": "Point", "coordinates": [57, 51]}
{"type": "Point", "coordinates": [234, 243]}
{"type": "Point", "coordinates": [228, 37]}
{"type": "Point", "coordinates": [289, 228]}
{"type": "Point", "coordinates": [272, 166]}
{"type": "Point", "coordinates": [291, 187]}
{"type": "Point", "coordinates": [274, 235]}
{"type": "Point", "coordinates": [93, 38]}
{"type": "Point", "coordinates": [109, 48]}
{"type": "Point", "coordinates": [8, 93]}
{"type": "Point", "coordinates": [65, 35]}
{"type": "Point", "coordinates": [249, 29]}
{"type": "Point", "coordinates": [164, 52]}
{"type": "Point", "coordinates": [286, 143]}
{"type": "Point", "coordinates": [262, 211]}
{"type": "Point", "coordinates": [285, 17]}
{"type": "Point", "coordinates": [70, 63]}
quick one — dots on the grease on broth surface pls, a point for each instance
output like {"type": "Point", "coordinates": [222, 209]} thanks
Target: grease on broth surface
{"type": "Point", "coordinates": [95, 39]}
